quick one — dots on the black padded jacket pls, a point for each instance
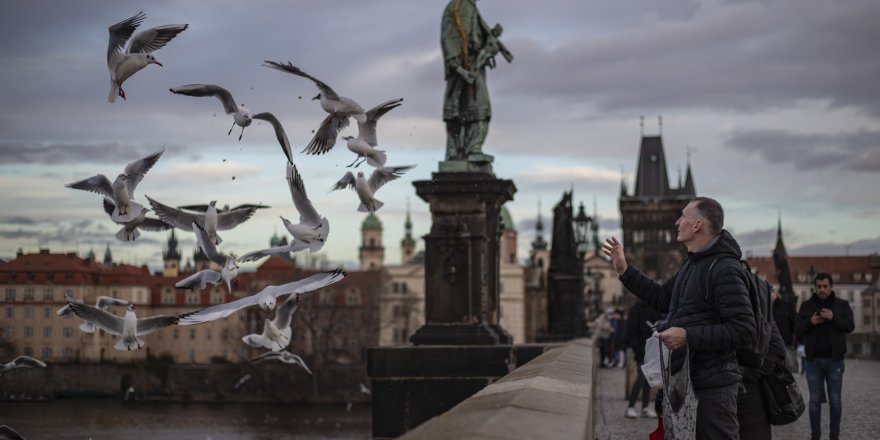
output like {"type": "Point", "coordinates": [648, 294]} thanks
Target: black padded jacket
{"type": "Point", "coordinates": [712, 306]}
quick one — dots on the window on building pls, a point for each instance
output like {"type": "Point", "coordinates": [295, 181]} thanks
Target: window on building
{"type": "Point", "coordinates": [67, 332]}
{"type": "Point", "coordinates": [867, 321]}
{"type": "Point", "coordinates": [9, 332]}
{"type": "Point", "coordinates": [395, 287]}
{"type": "Point", "coordinates": [28, 351]}
{"type": "Point", "coordinates": [68, 292]}
{"type": "Point", "coordinates": [224, 334]}
{"type": "Point", "coordinates": [869, 277]}
{"type": "Point", "coordinates": [217, 298]}
{"type": "Point", "coordinates": [835, 276]}
{"type": "Point", "coordinates": [857, 276]}
{"type": "Point", "coordinates": [10, 312]}
{"type": "Point", "coordinates": [353, 297]}
{"type": "Point", "coordinates": [168, 298]}
{"type": "Point", "coordinates": [192, 333]}
{"type": "Point", "coordinates": [69, 353]}
{"type": "Point", "coordinates": [47, 352]}
{"type": "Point", "coordinates": [47, 312]}
{"type": "Point", "coordinates": [29, 294]}
{"type": "Point", "coordinates": [48, 295]}
{"type": "Point", "coordinates": [29, 312]}
{"type": "Point", "coordinates": [192, 298]}
{"type": "Point", "coordinates": [866, 303]}
{"type": "Point", "coordinates": [667, 236]}
{"type": "Point", "coordinates": [192, 356]}
{"type": "Point", "coordinates": [353, 341]}
{"type": "Point", "coordinates": [115, 295]}
{"type": "Point", "coordinates": [28, 331]}
{"type": "Point", "coordinates": [404, 288]}
{"type": "Point", "coordinates": [10, 294]}
{"type": "Point", "coordinates": [47, 332]}
{"type": "Point", "coordinates": [175, 333]}
{"type": "Point", "coordinates": [327, 297]}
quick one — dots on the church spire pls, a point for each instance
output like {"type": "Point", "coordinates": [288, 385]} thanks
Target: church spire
{"type": "Point", "coordinates": [108, 256]}
{"type": "Point", "coordinates": [780, 246]}
{"type": "Point", "coordinates": [408, 244]}
{"type": "Point", "coordinates": [539, 243]}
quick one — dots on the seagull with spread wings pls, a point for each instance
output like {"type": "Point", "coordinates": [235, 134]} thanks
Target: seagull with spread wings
{"type": "Point", "coordinates": [121, 191]}
{"type": "Point", "coordinates": [276, 332]}
{"type": "Point", "coordinates": [128, 327]}
{"type": "Point", "coordinates": [364, 145]}
{"type": "Point", "coordinates": [130, 229]}
{"type": "Point", "coordinates": [22, 361]}
{"type": "Point", "coordinates": [312, 230]}
{"type": "Point", "coordinates": [366, 188]}
{"type": "Point", "coordinates": [102, 303]}
{"type": "Point", "coordinates": [202, 278]}
{"type": "Point", "coordinates": [241, 115]}
{"type": "Point", "coordinates": [123, 65]}
{"type": "Point", "coordinates": [282, 356]}
{"type": "Point", "coordinates": [211, 220]}
{"type": "Point", "coordinates": [339, 108]}
{"type": "Point", "coordinates": [266, 298]}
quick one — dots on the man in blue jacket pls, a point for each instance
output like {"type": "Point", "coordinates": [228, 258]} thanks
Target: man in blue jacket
{"type": "Point", "coordinates": [822, 323]}
{"type": "Point", "coordinates": [709, 312]}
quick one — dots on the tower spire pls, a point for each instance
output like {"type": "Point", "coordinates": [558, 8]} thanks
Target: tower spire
{"type": "Point", "coordinates": [660, 124]}
{"type": "Point", "coordinates": [642, 125]}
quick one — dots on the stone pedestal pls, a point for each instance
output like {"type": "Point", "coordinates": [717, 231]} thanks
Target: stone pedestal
{"type": "Point", "coordinates": [461, 259]}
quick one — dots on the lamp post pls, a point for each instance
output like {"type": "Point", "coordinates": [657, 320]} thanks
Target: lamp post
{"type": "Point", "coordinates": [582, 226]}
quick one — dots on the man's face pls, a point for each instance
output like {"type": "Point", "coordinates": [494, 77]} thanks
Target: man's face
{"type": "Point", "coordinates": [688, 224]}
{"type": "Point", "coordinates": [823, 288]}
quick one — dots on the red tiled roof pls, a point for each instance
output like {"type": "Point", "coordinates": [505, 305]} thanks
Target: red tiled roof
{"type": "Point", "coordinates": [846, 267]}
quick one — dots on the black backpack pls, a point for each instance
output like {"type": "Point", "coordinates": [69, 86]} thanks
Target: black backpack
{"type": "Point", "coordinates": [752, 353]}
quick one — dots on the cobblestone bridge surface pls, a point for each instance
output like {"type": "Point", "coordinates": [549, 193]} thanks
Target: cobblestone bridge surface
{"type": "Point", "coordinates": [861, 407]}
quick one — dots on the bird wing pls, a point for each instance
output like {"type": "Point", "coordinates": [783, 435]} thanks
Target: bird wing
{"type": "Point", "coordinates": [135, 171]}
{"type": "Point", "coordinates": [121, 32]}
{"type": "Point", "coordinates": [149, 325]}
{"type": "Point", "coordinates": [346, 181]}
{"type": "Point", "coordinates": [367, 130]}
{"type": "Point", "coordinates": [284, 314]}
{"type": "Point", "coordinates": [219, 311]}
{"type": "Point", "coordinates": [199, 280]}
{"type": "Point", "coordinates": [265, 356]}
{"type": "Point", "coordinates": [384, 175]}
{"type": "Point", "coordinates": [307, 212]}
{"type": "Point", "coordinates": [155, 38]}
{"type": "Point", "coordinates": [325, 137]}
{"type": "Point", "coordinates": [200, 90]}
{"type": "Point", "coordinates": [233, 218]}
{"type": "Point", "coordinates": [197, 208]}
{"type": "Point", "coordinates": [104, 301]}
{"type": "Point", "coordinates": [154, 224]}
{"type": "Point", "coordinates": [105, 321]}
{"type": "Point", "coordinates": [314, 282]}
{"type": "Point", "coordinates": [207, 245]}
{"type": "Point", "coordinates": [175, 217]}
{"type": "Point", "coordinates": [256, 255]}
{"type": "Point", "coordinates": [97, 184]}
{"type": "Point", "coordinates": [326, 91]}
{"type": "Point", "coordinates": [27, 361]}
{"type": "Point", "coordinates": [279, 133]}
{"type": "Point", "coordinates": [109, 206]}
{"type": "Point", "coordinates": [249, 206]}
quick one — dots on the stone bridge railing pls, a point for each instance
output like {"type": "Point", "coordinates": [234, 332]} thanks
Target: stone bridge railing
{"type": "Point", "coordinates": [550, 397]}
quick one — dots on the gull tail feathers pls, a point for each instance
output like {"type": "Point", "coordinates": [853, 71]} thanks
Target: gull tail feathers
{"type": "Point", "coordinates": [377, 159]}
{"type": "Point", "coordinates": [375, 205]}
{"type": "Point", "coordinates": [256, 341]}
{"type": "Point", "coordinates": [87, 327]}
{"type": "Point", "coordinates": [136, 344]}
{"type": "Point", "coordinates": [134, 210]}
{"type": "Point", "coordinates": [123, 234]}
{"type": "Point", "coordinates": [114, 91]}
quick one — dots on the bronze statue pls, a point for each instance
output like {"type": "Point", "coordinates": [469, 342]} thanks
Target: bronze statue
{"type": "Point", "coordinates": [469, 45]}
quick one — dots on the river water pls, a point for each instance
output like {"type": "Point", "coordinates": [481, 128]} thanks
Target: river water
{"type": "Point", "coordinates": [110, 419]}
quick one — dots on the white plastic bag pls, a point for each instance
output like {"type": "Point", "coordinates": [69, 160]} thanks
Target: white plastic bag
{"type": "Point", "coordinates": [651, 368]}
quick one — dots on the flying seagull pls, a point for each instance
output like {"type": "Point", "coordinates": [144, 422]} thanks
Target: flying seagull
{"type": "Point", "coordinates": [123, 65]}
{"type": "Point", "coordinates": [22, 361]}
{"type": "Point", "coordinates": [276, 332]}
{"type": "Point", "coordinates": [128, 327]}
{"type": "Point", "coordinates": [203, 208]}
{"type": "Point", "coordinates": [311, 231]}
{"type": "Point", "coordinates": [265, 298]}
{"type": "Point", "coordinates": [364, 144]}
{"type": "Point", "coordinates": [121, 191]}
{"type": "Point", "coordinates": [283, 356]}
{"type": "Point", "coordinates": [241, 116]}
{"type": "Point", "coordinates": [339, 108]}
{"type": "Point", "coordinates": [366, 188]}
{"type": "Point", "coordinates": [129, 231]}
{"type": "Point", "coordinates": [211, 220]}
{"type": "Point", "coordinates": [200, 279]}
{"type": "Point", "coordinates": [101, 303]}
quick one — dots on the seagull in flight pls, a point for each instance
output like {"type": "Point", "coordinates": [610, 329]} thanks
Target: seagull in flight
{"type": "Point", "coordinates": [265, 298]}
{"type": "Point", "coordinates": [339, 108]}
{"type": "Point", "coordinates": [283, 356]}
{"type": "Point", "coordinates": [123, 65]}
{"type": "Point", "coordinates": [128, 327]}
{"type": "Point", "coordinates": [241, 115]}
{"type": "Point", "coordinates": [129, 231]}
{"type": "Point", "coordinates": [22, 361]}
{"type": "Point", "coordinates": [121, 191]}
{"type": "Point", "coordinates": [101, 303]}
{"type": "Point", "coordinates": [276, 333]}
{"type": "Point", "coordinates": [211, 220]}
{"type": "Point", "coordinates": [364, 145]}
{"type": "Point", "coordinates": [200, 279]}
{"type": "Point", "coordinates": [311, 231]}
{"type": "Point", "coordinates": [203, 208]}
{"type": "Point", "coordinates": [366, 188]}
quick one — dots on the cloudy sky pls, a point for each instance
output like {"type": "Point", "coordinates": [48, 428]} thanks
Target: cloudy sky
{"type": "Point", "coordinates": [776, 100]}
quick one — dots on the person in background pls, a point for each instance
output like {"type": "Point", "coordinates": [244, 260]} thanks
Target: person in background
{"type": "Point", "coordinates": [639, 327]}
{"type": "Point", "coordinates": [822, 323]}
{"type": "Point", "coordinates": [784, 316]}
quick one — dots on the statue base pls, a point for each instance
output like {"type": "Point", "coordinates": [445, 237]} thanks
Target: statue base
{"type": "Point", "coordinates": [475, 163]}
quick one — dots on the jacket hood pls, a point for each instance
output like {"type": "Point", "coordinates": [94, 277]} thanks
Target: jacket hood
{"type": "Point", "coordinates": [726, 245]}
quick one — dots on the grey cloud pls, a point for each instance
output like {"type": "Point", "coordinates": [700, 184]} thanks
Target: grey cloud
{"type": "Point", "coordinates": [69, 153]}
{"type": "Point", "coordinates": [17, 220]}
{"type": "Point", "coordinates": [855, 151]}
{"type": "Point", "coordinates": [858, 247]}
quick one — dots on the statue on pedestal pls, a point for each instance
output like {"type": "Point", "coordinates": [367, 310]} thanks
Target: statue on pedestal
{"type": "Point", "coordinates": [469, 45]}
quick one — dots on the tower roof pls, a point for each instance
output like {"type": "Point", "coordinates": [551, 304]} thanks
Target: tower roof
{"type": "Point", "coordinates": [506, 220]}
{"type": "Point", "coordinates": [371, 223]}
{"type": "Point", "coordinates": [172, 252]}
{"type": "Point", "coordinates": [651, 177]}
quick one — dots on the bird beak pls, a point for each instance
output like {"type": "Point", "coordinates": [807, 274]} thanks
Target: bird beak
{"type": "Point", "coordinates": [318, 96]}
{"type": "Point", "coordinates": [155, 61]}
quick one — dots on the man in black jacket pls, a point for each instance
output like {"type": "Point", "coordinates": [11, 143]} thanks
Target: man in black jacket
{"type": "Point", "coordinates": [639, 327]}
{"type": "Point", "coordinates": [784, 317]}
{"type": "Point", "coordinates": [822, 323]}
{"type": "Point", "coordinates": [709, 312]}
